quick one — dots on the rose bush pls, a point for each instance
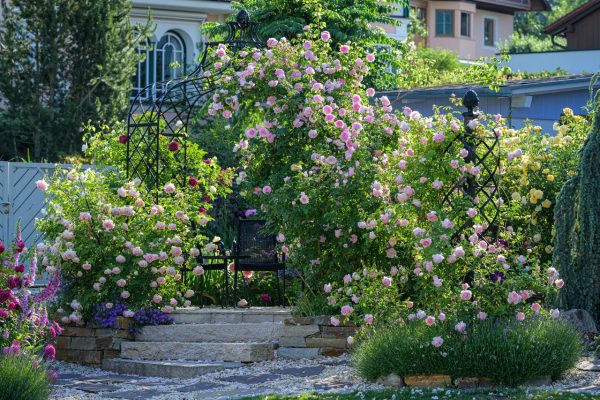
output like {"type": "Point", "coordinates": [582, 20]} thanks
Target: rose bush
{"type": "Point", "coordinates": [119, 241]}
{"type": "Point", "coordinates": [363, 192]}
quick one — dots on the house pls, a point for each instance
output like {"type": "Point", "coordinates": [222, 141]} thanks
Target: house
{"type": "Point", "coordinates": [471, 28]}
{"type": "Point", "coordinates": [580, 27]}
{"type": "Point", "coordinates": [538, 100]}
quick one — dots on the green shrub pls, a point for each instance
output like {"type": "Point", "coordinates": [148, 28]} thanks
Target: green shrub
{"type": "Point", "coordinates": [23, 378]}
{"type": "Point", "coordinates": [509, 352]}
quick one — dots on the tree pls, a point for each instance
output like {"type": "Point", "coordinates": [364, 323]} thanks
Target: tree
{"type": "Point", "coordinates": [529, 33]}
{"type": "Point", "coordinates": [64, 62]}
{"type": "Point", "coordinates": [577, 225]}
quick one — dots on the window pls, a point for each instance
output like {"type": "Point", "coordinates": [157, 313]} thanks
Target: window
{"type": "Point", "coordinates": [489, 32]}
{"type": "Point", "coordinates": [421, 13]}
{"type": "Point", "coordinates": [169, 57]}
{"type": "Point", "coordinates": [144, 70]}
{"type": "Point", "coordinates": [164, 62]}
{"type": "Point", "coordinates": [465, 24]}
{"type": "Point", "coordinates": [444, 23]}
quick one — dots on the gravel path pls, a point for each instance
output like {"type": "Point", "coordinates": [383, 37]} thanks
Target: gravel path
{"type": "Point", "coordinates": [282, 376]}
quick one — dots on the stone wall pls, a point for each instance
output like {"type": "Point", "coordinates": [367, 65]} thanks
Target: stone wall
{"type": "Point", "coordinates": [310, 337]}
{"type": "Point", "coordinates": [90, 344]}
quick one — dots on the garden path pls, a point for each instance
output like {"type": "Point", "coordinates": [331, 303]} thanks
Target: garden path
{"type": "Point", "coordinates": [281, 376]}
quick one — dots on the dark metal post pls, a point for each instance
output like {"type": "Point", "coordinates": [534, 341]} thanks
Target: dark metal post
{"type": "Point", "coordinates": [471, 102]}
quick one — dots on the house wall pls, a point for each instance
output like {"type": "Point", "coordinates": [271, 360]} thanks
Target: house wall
{"type": "Point", "coordinates": [573, 62]}
{"type": "Point", "coordinates": [468, 47]}
{"type": "Point", "coordinates": [586, 33]}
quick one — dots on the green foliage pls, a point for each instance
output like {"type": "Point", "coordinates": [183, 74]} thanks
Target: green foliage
{"type": "Point", "coordinates": [23, 378]}
{"type": "Point", "coordinates": [577, 225]}
{"type": "Point", "coordinates": [63, 63]}
{"type": "Point", "coordinates": [441, 60]}
{"type": "Point", "coordinates": [529, 33]}
{"type": "Point", "coordinates": [508, 352]}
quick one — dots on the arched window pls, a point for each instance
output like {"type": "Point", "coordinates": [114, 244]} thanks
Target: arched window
{"type": "Point", "coordinates": [170, 57]}
{"type": "Point", "coordinates": [145, 69]}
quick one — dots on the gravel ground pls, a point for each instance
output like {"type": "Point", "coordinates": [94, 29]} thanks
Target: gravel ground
{"type": "Point", "coordinates": [300, 376]}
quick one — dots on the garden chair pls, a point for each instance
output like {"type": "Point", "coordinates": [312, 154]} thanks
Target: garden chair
{"type": "Point", "coordinates": [255, 250]}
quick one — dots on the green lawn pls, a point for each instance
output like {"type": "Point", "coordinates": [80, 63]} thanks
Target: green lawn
{"type": "Point", "coordinates": [438, 394]}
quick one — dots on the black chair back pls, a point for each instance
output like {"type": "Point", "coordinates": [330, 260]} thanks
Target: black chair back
{"type": "Point", "coordinates": [256, 246]}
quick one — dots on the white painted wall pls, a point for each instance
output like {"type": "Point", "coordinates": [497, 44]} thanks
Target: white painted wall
{"type": "Point", "coordinates": [574, 62]}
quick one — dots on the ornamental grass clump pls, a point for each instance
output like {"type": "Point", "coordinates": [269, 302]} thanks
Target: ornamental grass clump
{"type": "Point", "coordinates": [506, 351]}
{"type": "Point", "coordinates": [23, 378]}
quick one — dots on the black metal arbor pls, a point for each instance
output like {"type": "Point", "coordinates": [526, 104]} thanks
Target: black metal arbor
{"type": "Point", "coordinates": [163, 110]}
{"type": "Point", "coordinates": [481, 194]}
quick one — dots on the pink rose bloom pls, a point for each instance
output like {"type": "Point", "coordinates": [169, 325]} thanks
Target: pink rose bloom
{"type": "Point", "coordinates": [42, 185]}
{"type": "Point", "coordinates": [369, 318]}
{"type": "Point", "coordinates": [281, 238]}
{"type": "Point", "coordinates": [520, 316]}
{"type": "Point", "coordinates": [334, 321]}
{"type": "Point", "coordinates": [116, 270]}
{"type": "Point", "coordinates": [391, 253]}
{"type": "Point", "coordinates": [471, 212]}
{"type": "Point", "coordinates": [157, 298]}
{"type": "Point", "coordinates": [442, 316]}
{"type": "Point", "coordinates": [176, 251]}
{"type": "Point", "coordinates": [437, 341]}
{"type": "Point", "coordinates": [386, 281]}
{"type": "Point", "coordinates": [466, 295]}
{"type": "Point", "coordinates": [312, 134]}
{"type": "Point", "coordinates": [169, 188]}
{"type": "Point", "coordinates": [346, 310]}
{"type": "Point", "coordinates": [370, 92]}
{"type": "Point", "coordinates": [85, 216]}
{"type": "Point", "coordinates": [120, 259]}
{"type": "Point", "coordinates": [514, 298]}
{"type": "Point", "coordinates": [108, 225]}
{"type": "Point", "coordinates": [393, 271]}
{"type": "Point", "coordinates": [267, 189]}
{"type": "Point", "coordinates": [198, 271]}
{"type": "Point", "coordinates": [426, 242]}
{"type": "Point", "coordinates": [536, 307]}
{"type": "Point", "coordinates": [121, 283]}
{"type": "Point", "coordinates": [409, 304]}
{"type": "Point", "coordinates": [327, 288]}
{"type": "Point", "coordinates": [344, 49]}
{"type": "Point", "coordinates": [438, 258]}
{"type": "Point", "coordinates": [125, 294]}
{"type": "Point", "coordinates": [460, 327]}
{"type": "Point", "coordinates": [272, 42]}
{"type": "Point", "coordinates": [86, 266]}
{"type": "Point", "coordinates": [555, 313]}
{"type": "Point", "coordinates": [347, 278]}
{"type": "Point", "coordinates": [430, 320]}
{"type": "Point", "coordinates": [325, 36]}
{"type": "Point", "coordinates": [153, 284]}
{"type": "Point", "coordinates": [481, 315]}
{"type": "Point", "coordinates": [370, 57]}
{"type": "Point", "coordinates": [143, 263]}
{"type": "Point", "coordinates": [303, 198]}
{"type": "Point", "coordinates": [559, 283]}
{"type": "Point", "coordinates": [167, 309]}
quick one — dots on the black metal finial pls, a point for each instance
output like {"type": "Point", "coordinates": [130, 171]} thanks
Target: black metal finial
{"type": "Point", "coordinates": [471, 100]}
{"type": "Point", "coordinates": [243, 18]}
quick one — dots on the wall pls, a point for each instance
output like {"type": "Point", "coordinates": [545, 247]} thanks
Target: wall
{"type": "Point", "coordinates": [504, 29]}
{"type": "Point", "coordinates": [574, 62]}
{"type": "Point", "coordinates": [586, 33]}
{"type": "Point", "coordinates": [464, 47]}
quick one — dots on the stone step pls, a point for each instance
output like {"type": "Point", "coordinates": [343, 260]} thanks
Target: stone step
{"type": "Point", "coordinates": [211, 315]}
{"type": "Point", "coordinates": [166, 369]}
{"type": "Point", "coordinates": [244, 352]}
{"type": "Point", "coordinates": [228, 333]}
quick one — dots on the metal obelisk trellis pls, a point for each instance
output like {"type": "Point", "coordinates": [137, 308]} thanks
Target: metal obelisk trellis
{"type": "Point", "coordinates": [164, 109]}
{"type": "Point", "coordinates": [481, 193]}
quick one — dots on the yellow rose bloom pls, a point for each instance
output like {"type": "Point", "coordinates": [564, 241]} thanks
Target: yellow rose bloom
{"type": "Point", "coordinates": [516, 196]}
{"type": "Point", "coordinates": [538, 194]}
{"type": "Point", "coordinates": [548, 249]}
{"type": "Point", "coordinates": [546, 203]}
{"type": "Point", "coordinates": [550, 178]}
{"type": "Point", "coordinates": [532, 199]}
{"type": "Point", "coordinates": [570, 172]}
{"type": "Point", "coordinates": [524, 181]}
{"type": "Point", "coordinates": [546, 171]}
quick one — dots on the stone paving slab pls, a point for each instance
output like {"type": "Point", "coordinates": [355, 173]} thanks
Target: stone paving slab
{"type": "Point", "coordinates": [95, 387]}
{"type": "Point", "coordinates": [135, 394]}
{"type": "Point", "coordinates": [593, 365]}
{"type": "Point", "coordinates": [251, 379]}
{"type": "Point", "coordinates": [200, 386]}
{"type": "Point", "coordinates": [302, 372]}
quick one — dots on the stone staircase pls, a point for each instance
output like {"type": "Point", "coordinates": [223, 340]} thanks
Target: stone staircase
{"type": "Point", "coordinates": [202, 341]}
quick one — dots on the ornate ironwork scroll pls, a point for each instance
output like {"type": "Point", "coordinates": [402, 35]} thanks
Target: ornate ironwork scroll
{"type": "Point", "coordinates": [480, 192]}
{"type": "Point", "coordinates": [160, 114]}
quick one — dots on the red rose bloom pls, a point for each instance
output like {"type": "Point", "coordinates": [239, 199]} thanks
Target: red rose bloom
{"type": "Point", "coordinates": [123, 139]}
{"type": "Point", "coordinates": [193, 181]}
{"type": "Point", "coordinates": [202, 210]}
{"type": "Point", "coordinates": [174, 146]}
{"type": "Point", "coordinates": [2, 248]}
